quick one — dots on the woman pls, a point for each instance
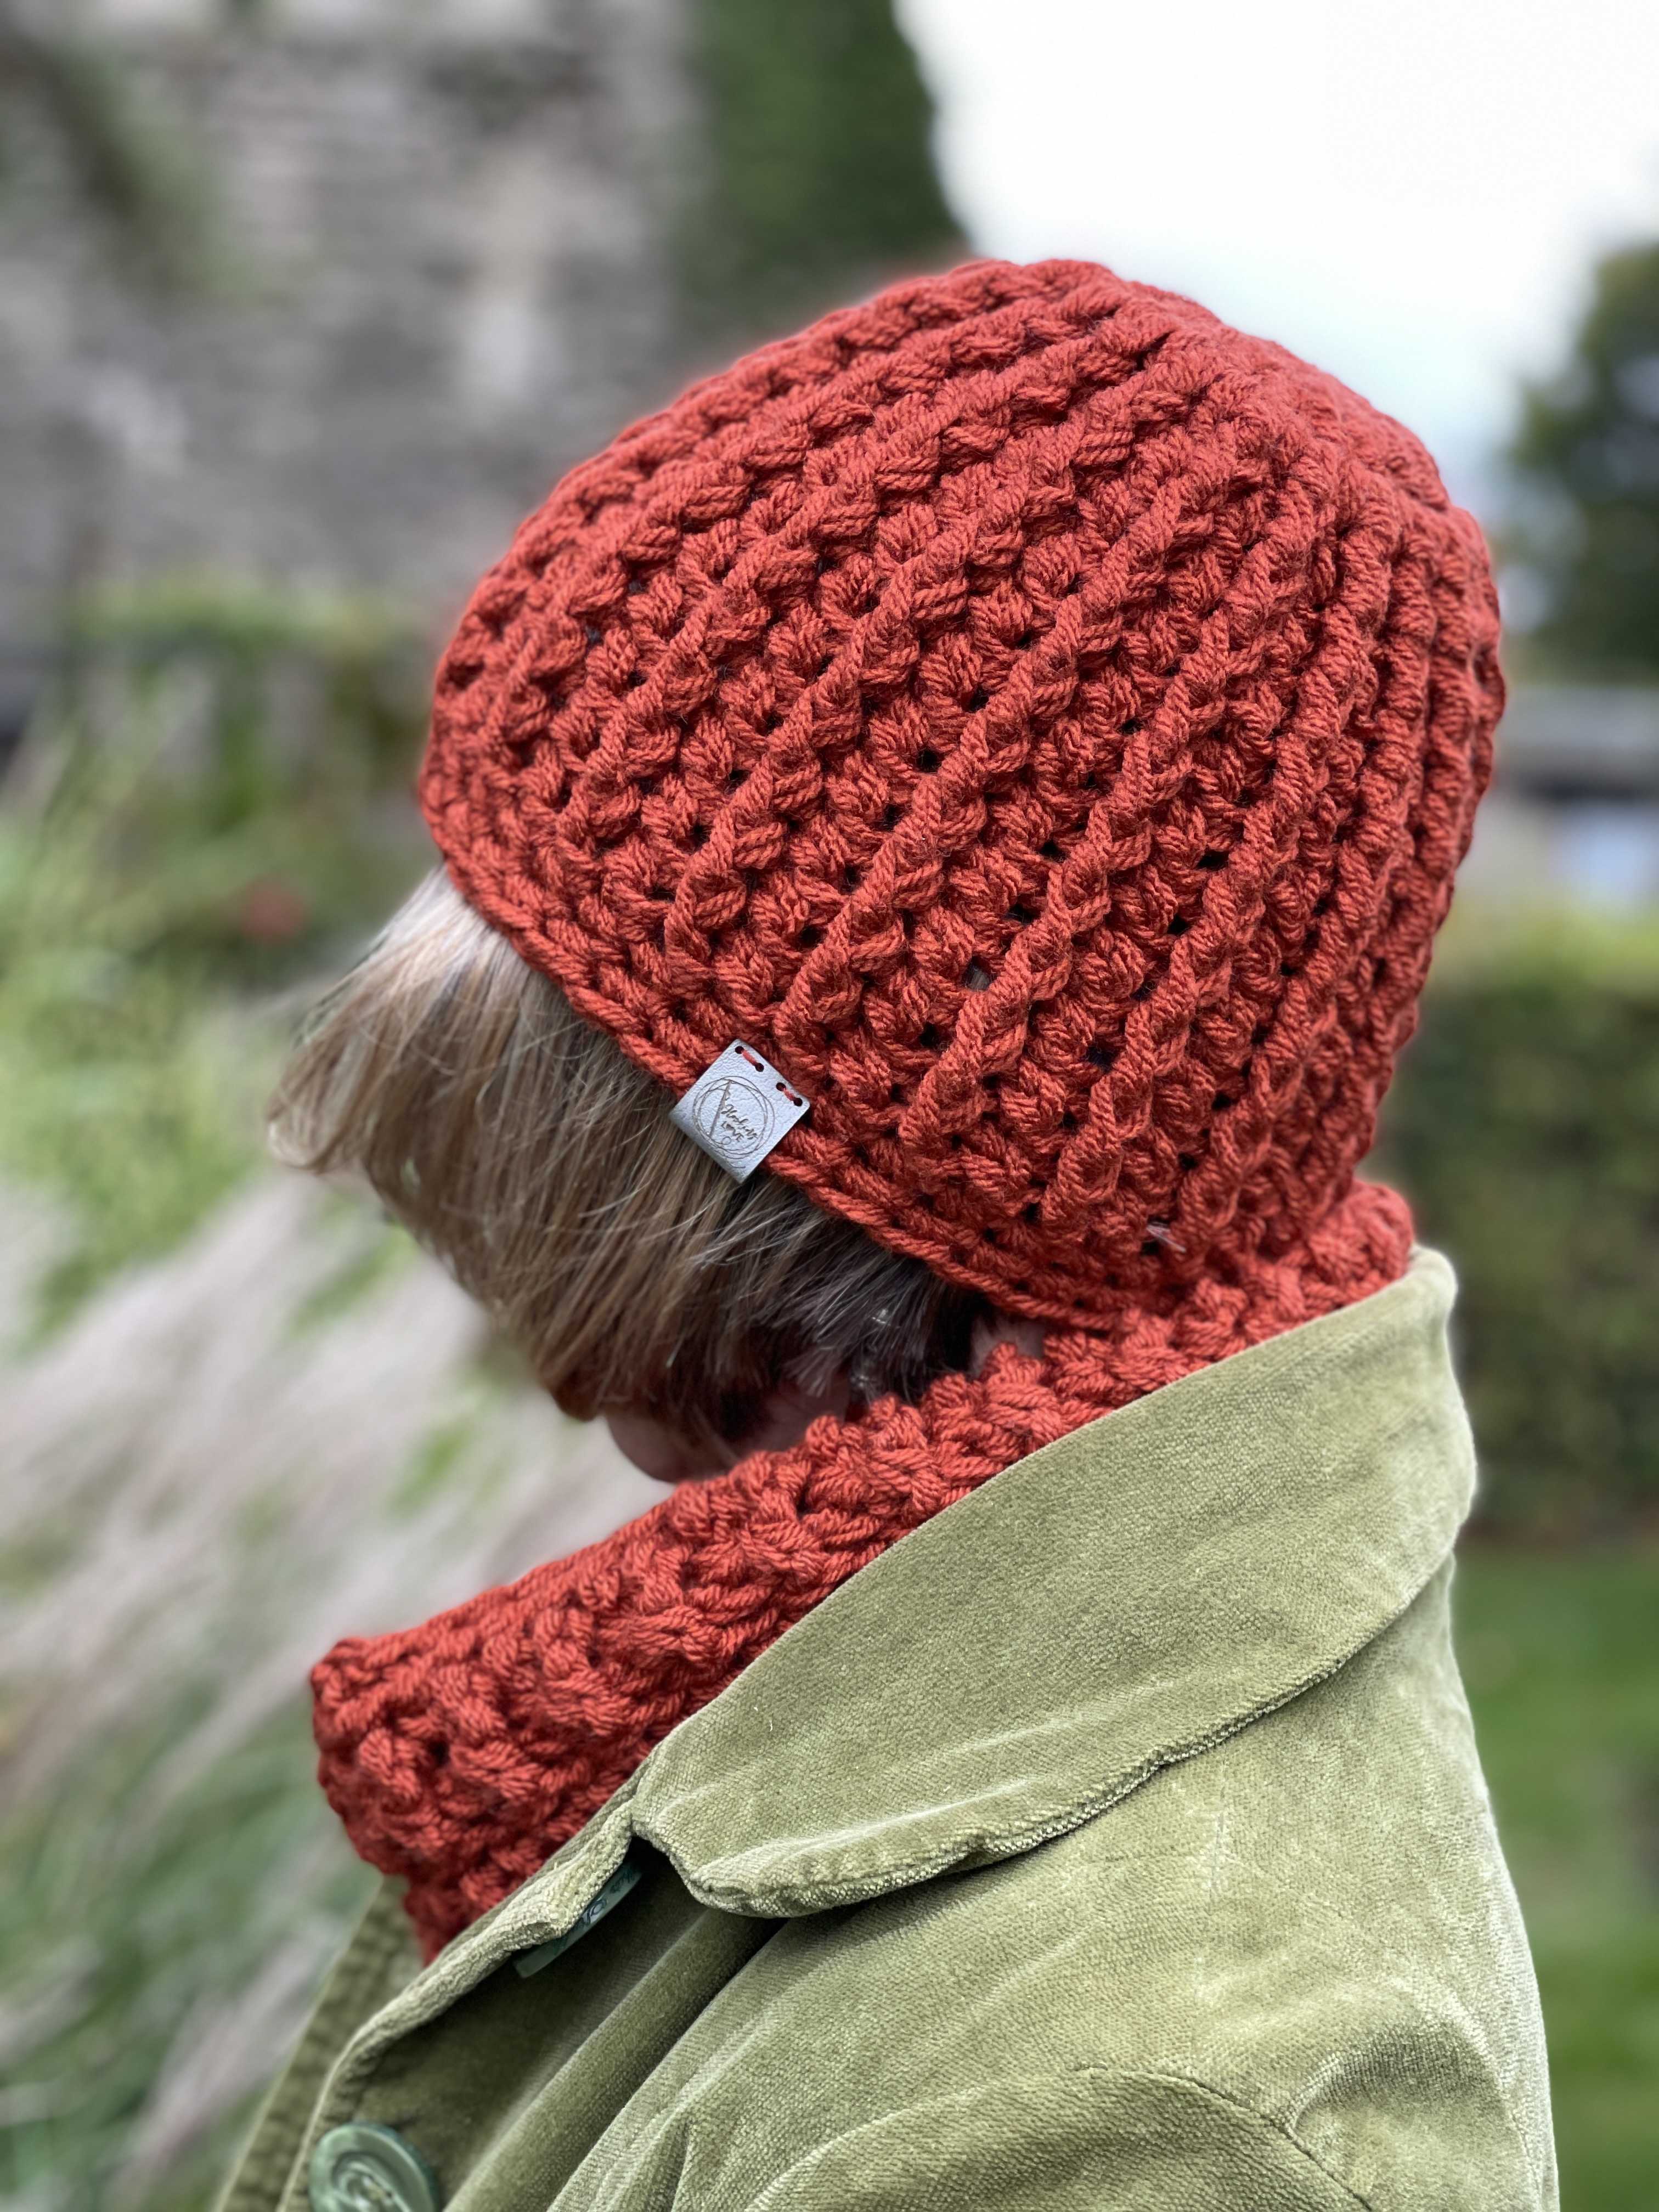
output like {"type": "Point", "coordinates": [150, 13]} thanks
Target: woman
{"type": "Point", "coordinates": [942, 832]}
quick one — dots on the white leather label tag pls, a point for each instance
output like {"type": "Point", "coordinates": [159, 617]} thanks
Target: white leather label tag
{"type": "Point", "coordinates": [739, 1109]}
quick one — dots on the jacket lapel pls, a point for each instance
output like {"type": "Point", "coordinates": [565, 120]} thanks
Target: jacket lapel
{"type": "Point", "coordinates": [1114, 1603]}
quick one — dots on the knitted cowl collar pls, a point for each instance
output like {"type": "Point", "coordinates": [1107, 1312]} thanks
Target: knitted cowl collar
{"type": "Point", "coordinates": [461, 1753]}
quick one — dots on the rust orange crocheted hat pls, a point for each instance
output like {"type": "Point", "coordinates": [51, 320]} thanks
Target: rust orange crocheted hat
{"type": "Point", "coordinates": [1043, 720]}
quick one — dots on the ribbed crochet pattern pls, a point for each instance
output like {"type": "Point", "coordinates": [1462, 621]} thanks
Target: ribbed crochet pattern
{"type": "Point", "coordinates": [1045, 722]}
{"type": "Point", "coordinates": [1042, 721]}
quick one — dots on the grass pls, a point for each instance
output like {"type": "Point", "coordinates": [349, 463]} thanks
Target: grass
{"type": "Point", "coordinates": [176, 1942]}
{"type": "Point", "coordinates": [1562, 1665]}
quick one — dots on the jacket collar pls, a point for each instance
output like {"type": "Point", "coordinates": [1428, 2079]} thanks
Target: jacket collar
{"type": "Point", "coordinates": [1116, 1602]}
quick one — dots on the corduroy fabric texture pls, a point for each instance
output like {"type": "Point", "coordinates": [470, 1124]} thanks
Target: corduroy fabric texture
{"type": "Point", "coordinates": [1043, 720]}
{"type": "Point", "coordinates": [1047, 723]}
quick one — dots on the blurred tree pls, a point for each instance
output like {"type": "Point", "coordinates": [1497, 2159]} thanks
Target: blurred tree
{"type": "Point", "coordinates": [124, 168]}
{"type": "Point", "coordinates": [1587, 454]}
{"type": "Point", "coordinates": [818, 171]}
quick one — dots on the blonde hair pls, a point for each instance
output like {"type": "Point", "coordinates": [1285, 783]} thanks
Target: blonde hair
{"type": "Point", "coordinates": [519, 1145]}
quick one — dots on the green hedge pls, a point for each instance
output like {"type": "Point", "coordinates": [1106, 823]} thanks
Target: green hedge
{"type": "Point", "coordinates": [1524, 1127]}
{"type": "Point", "coordinates": [1562, 1665]}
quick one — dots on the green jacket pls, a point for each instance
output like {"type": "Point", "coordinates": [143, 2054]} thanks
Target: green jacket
{"type": "Point", "coordinates": [1116, 1839]}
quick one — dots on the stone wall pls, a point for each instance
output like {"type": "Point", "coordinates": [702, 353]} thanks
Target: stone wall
{"type": "Point", "coordinates": [434, 270]}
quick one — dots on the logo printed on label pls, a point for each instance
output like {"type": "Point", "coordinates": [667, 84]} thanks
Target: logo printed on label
{"type": "Point", "coordinates": [738, 1109]}
{"type": "Point", "coordinates": [733, 1116]}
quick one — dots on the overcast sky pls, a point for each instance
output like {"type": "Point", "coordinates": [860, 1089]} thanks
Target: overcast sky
{"type": "Point", "coordinates": [1408, 192]}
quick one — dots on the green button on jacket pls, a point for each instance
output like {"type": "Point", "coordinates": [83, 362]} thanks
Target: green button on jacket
{"type": "Point", "coordinates": [1116, 1839]}
{"type": "Point", "coordinates": [359, 2168]}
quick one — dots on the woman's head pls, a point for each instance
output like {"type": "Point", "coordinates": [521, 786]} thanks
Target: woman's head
{"type": "Point", "coordinates": [1041, 721]}
{"type": "Point", "coordinates": [519, 1143]}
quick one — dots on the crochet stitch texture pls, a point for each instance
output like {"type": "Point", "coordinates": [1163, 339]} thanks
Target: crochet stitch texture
{"type": "Point", "coordinates": [1045, 722]}
{"type": "Point", "coordinates": [1041, 719]}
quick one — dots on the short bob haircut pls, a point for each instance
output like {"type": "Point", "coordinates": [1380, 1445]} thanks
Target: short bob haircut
{"type": "Point", "coordinates": [520, 1145]}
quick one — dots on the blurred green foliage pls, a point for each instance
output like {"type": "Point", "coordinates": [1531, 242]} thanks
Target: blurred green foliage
{"type": "Point", "coordinates": [128, 166]}
{"type": "Point", "coordinates": [819, 171]}
{"type": "Point", "coordinates": [1524, 1126]}
{"type": "Point", "coordinates": [1587, 451]}
{"type": "Point", "coordinates": [212, 801]}
{"type": "Point", "coordinates": [1562, 1666]}
{"type": "Point", "coordinates": [127, 1924]}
